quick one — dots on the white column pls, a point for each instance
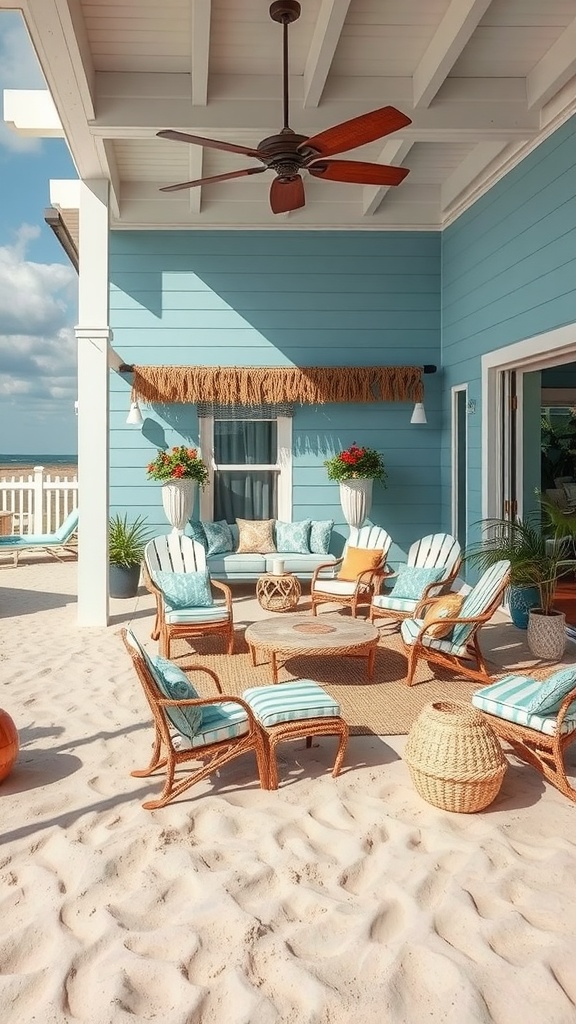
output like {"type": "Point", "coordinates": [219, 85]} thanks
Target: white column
{"type": "Point", "coordinates": [93, 335]}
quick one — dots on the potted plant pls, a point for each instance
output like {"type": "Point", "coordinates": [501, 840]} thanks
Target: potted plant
{"type": "Point", "coordinates": [179, 469]}
{"type": "Point", "coordinates": [126, 542]}
{"type": "Point", "coordinates": [539, 554]}
{"type": "Point", "coordinates": [355, 469]}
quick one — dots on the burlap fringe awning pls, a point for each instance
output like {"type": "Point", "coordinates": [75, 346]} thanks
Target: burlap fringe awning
{"type": "Point", "coordinates": [263, 385]}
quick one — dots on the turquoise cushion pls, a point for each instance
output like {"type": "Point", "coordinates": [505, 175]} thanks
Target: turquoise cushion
{"type": "Point", "coordinates": [320, 533]}
{"type": "Point", "coordinates": [552, 691]}
{"type": "Point", "coordinates": [219, 537]}
{"type": "Point", "coordinates": [293, 537]}
{"type": "Point", "coordinates": [175, 685]}
{"type": "Point", "coordinates": [412, 581]}
{"type": "Point", "coordinates": [290, 702]}
{"type": "Point", "coordinates": [197, 532]}
{"type": "Point", "coordinates": [510, 698]}
{"type": "Point", "coordinates": [185, 589]}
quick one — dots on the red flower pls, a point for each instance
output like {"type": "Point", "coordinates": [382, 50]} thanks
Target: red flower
{"type": "Point", "coordinates": [178, 470]}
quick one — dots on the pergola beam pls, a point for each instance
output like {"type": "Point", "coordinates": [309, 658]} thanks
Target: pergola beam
{"type": "Point", "coordinates": [445, 47]}
{"type": "Point", "coordinates": [200, 17]}
{"type": "Point", "coordinates": [329, 25]}
{"type": "Point", "coordinates": [556, 67]}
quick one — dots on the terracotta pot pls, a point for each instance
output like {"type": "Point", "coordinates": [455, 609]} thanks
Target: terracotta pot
{"type": "Point", "coordinates": [9, 744]}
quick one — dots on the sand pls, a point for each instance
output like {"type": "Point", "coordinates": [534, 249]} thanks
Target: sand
{"type": "Point", "coordinates": [326, 902]}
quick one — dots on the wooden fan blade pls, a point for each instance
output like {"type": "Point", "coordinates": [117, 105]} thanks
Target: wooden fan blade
{"type": "Point", "coordinates": [287, 194]}
{"type": "Point", "coordinates": [356, 132]}
{"type": "Point", "coordinates": [213, 179]}
{"type": "Point", "coordinates": [197, 140]}
{"type": "Point", "coordinates": [359, 172]}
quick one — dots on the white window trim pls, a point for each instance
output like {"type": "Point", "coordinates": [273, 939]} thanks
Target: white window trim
{"type": "Point", "coordinates": [283, 467]}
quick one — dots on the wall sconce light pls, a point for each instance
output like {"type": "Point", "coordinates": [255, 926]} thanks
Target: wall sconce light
{"type": "Point", "coordinates": [471, 406]}
{"type": "Point", "coordinates": [134, 417]}
{"type": "Point", "coordinates": [419, 413]}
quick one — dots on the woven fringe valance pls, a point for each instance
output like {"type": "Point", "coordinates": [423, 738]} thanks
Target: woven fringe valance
{"type": "Point", "coordinates": [274, 385]}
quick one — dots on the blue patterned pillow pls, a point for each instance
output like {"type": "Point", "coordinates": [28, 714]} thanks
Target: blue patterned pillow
{"type": "Point", "coordinates": [175, 685]}
{"type": "Point", "coordinates": [293, 537]}
{"type": "Point", "coordinates": [552, 692]}
{"type": "Point", "coordinates": [320, 533]}
{"type": "Point", "coordinates": [197, 532]}
{"type": "Point", "coordinates": [411, 581]}
{"type": "Point", "coordinates": [185, 589]}
{"type": "Point", "coordinates": [219, 537]}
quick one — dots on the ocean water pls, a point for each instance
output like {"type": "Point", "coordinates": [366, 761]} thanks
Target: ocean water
{"type": "Point", "coordinates": [38, 460]}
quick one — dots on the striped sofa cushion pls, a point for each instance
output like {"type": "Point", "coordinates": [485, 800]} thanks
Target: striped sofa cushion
{"type": "Point", "coordinates": [410, 629]}
{"type": "Point", "coordinates": [510, 699]}
{"type": "Point", "coordinates": [290, 702]}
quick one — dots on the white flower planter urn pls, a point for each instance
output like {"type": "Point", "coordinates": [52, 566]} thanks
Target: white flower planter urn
{"type": "Point", "coordinates": [546, 635]}
{"type": "Point", "coordinates": [178, 502]}
{"type": "Point", "coordinates": [356, 500]}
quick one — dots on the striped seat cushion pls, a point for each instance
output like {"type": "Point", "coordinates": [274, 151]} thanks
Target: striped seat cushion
{"type": "Point", "coordinates": [290, 702]}
{"type": "Point", "coordinates": [510, 699]}
{"type": "Point", "coordinates": [216, 613]}
{"type": "Point", "coordinates": [410, 629]}
{"type": "Point", "coordinates": [394, 604]}
{"type": "Point", "coordinates": [220, 722]}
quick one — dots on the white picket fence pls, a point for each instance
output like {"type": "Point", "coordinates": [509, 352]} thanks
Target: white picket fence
{"type": "Point", "coordinates": [38, 503]}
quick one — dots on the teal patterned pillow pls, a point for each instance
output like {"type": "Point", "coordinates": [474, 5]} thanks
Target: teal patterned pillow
{"type": "Point", "coordinates": [320, 533]}
{"type": "Point", "coordinates": [552, 692]}
{"type": "Point", "coordinates": [197, 532]}
{"type": "Point", "coordinates": [293, 537]}
{"type": "Point", "coordinates": [185, 589]}
{"type": "Point", "coordinates": [219, 537]}
{"type": "Point", "coordinates": [411, 581]}
{"type": "Point", "coordinates": [175, 685]}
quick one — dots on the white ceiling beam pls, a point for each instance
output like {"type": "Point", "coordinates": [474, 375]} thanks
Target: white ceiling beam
{"type": "Point", "coordinates": [445, 47]}
{"type": "Point", "coordinates": [394, 152]}
{"type": "Point", "coordinates": [469, 170]}
{"type": "Point", "coordinates": [327, 31]}
{"type": "Point", "coordinates": [554, 70]}
{"type": "Point", "coordinates": [200, 16]}
{"type": "Point", "coordinates": [195, 163]}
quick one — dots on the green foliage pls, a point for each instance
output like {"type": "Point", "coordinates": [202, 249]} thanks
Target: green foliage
{"type": "Point", "coordinates": [126, 541]}
{"type": "Point", "coordinates": [356, 463]}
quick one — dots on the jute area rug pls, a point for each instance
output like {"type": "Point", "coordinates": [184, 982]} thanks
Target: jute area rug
{"type": "Point", "coordinates": [386, 706]}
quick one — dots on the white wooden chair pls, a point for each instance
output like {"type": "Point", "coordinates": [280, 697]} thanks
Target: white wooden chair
{"type": "Point", "coordinates": [326, 587]}
{"type": "Point", "coordinates": [174, 553]}
{"type": "Point", "coordinates": [435, 551]}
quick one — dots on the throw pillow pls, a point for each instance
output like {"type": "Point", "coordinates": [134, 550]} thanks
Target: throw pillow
{"type": "Point", "coordinates": [185, 589]}
{"type": "Point", "coordinates": [197, 532]}
{"type": "Point", "coordinates": [412, 581]}
{"type": "Point", "coordinates": [320, 533]}
{"type": "Point", "coordinates": [175, 685]}
{"type": "Point", "coordinates": [219, 537]}
{"type": "Point", "coordinates": [256, 536]}
{"type": "Point", "coordinates": [293, 537]}
{"type": "Point", "coordinates": [552, 692]}
{"type": "Point", "coordinates": [357, 560]}
{"type": "Point", "coordinates": [444, 608]}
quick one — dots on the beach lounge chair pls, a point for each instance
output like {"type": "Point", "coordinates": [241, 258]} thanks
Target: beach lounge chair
{"type": "Point", "coordinates": [175, 572]}
{"type": "Point", "coordinates": [53, 543]}
{"type": "Point", "coordinates": [458, 642]}
{"type": "Point", "coordinates": [212, 730]}
{"type": "Point", "coordinates": [350, 579]}
{"type": "Point", "coordinates": [438, 553]}
{"type": "Point", "coordinates": [537, 717]}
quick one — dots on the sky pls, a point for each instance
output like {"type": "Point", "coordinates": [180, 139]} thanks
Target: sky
{"type": "Point", "coordinates": [38, 285]}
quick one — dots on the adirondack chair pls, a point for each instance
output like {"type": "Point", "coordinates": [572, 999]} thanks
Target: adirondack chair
{"type": "Point", "coordinates": [437, 551]}
{"type": "Point", "coordinates": [328, 586]}
{"type": "Point", "coordinates": [175, 572]}
{"type": "Point", "coordinates": [455, 650]}
{"type": "Point", "coordinates": [52, 543]}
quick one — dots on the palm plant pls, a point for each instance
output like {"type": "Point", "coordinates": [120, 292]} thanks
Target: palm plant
{"type": "Point", "coordinates": [126, 541]}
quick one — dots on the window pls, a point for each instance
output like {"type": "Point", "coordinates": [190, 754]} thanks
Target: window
{"type": "Point", "coordinates": [250, 456]}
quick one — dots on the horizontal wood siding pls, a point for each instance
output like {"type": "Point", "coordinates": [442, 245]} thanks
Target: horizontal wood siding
{"type": "Point", "coordinates": [508, 273]}
{"type": "Point", "coordinates": [280, 299]}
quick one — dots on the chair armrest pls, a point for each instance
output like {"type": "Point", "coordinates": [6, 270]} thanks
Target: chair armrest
{"type": "Point", "coordinates": [447, 621]}
{"type": "Point", "coordinates": [209, 672]}
{"type": "Point", "coordinates": [225, 590]}
{"type": "Point", "coordinates": [380, 576]}
{"type": "Point", "coordinates": [325, 565]}
{"type": "Point", "coordinates": [221, 698]}
{"type": "Point", "coordinates": [566, 702]}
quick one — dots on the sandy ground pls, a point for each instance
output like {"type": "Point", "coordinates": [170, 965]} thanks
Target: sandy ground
{"type": "Point", "coordinates": [326, 902]}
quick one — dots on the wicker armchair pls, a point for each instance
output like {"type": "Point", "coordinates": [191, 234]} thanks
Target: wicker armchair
{"type": "Point", "coordinates": [326, 587]}
{"type": "Point", "coordinates": [436, 551]}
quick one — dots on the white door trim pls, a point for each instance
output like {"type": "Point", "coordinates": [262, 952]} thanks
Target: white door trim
{"type": "Point", "coordinates": [454, 455]}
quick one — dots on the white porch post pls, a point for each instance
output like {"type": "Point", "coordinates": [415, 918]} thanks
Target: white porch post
{"type": "Point", "coordinates": [93, 335]}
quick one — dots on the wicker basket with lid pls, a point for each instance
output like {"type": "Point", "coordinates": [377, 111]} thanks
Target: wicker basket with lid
{"type": "Point", "coordinates": [454, 757]}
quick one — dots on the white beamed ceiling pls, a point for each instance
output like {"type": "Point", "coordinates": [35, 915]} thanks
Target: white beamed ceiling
{"type": "Point", "coordinates": [483, 82]}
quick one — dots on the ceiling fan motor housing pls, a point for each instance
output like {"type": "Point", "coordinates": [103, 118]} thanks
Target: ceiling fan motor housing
{"type": "Point", "coordinates": [285, 11]}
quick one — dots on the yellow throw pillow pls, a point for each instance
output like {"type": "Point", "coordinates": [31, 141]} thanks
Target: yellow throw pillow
{"type": "Point", "coordinates": [357, 560]}
{"type": "Point", "coordinates": [256, 536]}
{"type": "Point", "coordinates": [446, 607]}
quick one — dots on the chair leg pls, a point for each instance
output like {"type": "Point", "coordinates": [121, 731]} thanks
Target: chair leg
{"type": "Point", "coordinates": [412, 662]}
{"type": "Point", "coordinates": [230, 643]}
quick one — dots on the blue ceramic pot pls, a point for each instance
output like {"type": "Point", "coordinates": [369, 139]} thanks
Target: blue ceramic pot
{"type": "Point", "coordinates": [522, 599]}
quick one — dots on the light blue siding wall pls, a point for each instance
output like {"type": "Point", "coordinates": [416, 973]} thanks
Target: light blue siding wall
{"type": "Point", "coordinates": [284, 298]}
{"type": "Point", "coordinates": [508, 273]}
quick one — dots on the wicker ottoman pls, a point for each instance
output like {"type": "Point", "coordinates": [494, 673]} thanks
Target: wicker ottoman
{"type": "Point", "coordinates": [278, 593]}
{"type": "Point", "coordinates": [288, 711]}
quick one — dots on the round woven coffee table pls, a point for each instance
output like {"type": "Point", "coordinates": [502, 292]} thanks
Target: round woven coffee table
{"type": "Point", "coordinates": [278, 592]}
{"type": "Point", "coordinates": [328, 635]}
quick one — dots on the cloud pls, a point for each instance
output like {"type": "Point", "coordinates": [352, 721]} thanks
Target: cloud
{"type": "Point", "coordinates": [19, 69]}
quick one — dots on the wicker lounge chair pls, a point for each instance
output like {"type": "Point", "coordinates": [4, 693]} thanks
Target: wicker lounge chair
{"type": "Point", "coordinates": [53, 543]}
{"type": "Point", "coordinates": [438, 551]}
{"type": "Point", "coordinates": [326, 587]}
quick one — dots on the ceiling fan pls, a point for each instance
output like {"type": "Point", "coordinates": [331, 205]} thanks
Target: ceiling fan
{"type": "Point", "coordinates": [288, 153]}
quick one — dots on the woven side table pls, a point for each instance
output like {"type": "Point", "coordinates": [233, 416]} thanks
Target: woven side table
{"type": "Point", "coordinates": [454, 757]}
{"type": "Point", "coordinates": [278, 593]}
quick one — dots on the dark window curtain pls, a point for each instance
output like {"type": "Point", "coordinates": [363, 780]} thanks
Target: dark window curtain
{"type": "Point", "coordinates": [239, 493]}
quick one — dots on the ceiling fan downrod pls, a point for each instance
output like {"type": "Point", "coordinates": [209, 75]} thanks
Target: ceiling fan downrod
{"type": "Point", "coordinates": [285, 12]}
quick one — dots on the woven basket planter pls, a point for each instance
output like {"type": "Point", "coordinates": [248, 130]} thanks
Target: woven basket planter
{"type": "Point", "coordinates": [454, 757]}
